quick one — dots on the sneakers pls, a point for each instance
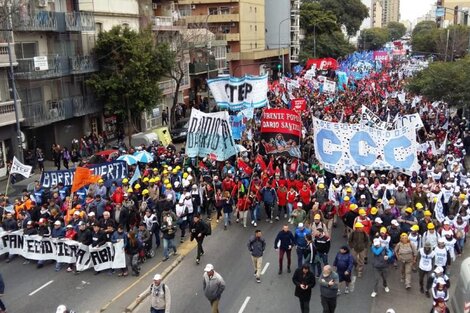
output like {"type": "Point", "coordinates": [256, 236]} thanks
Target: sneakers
{"type": "Point", "coordinates": [254, 224]}
{"type": "Point", "coordinates": [238, 220]}
{"type": "Point", "coordinates": [165, 259]}
{"type": "Point", "coordinates": [267, 220]}
{"type": "Point", "coordinates": [69, 269]}
{"type": "Point", "coordinates": [277, 218]}
{"type": "Point", "coordinates": [197, 261]}
{"type": "Point", "coordinates": [258, 280]}
{"type": "Point", "coordinates": [338, 293]}
{"type": "Point", "coordinates": [285, 215]}
{"type": "Point", "coordinates": [346, 290]}
{"type": "Point", "coordinates": [373, 294]}
{"type": "Point", "coordinates": [270, 221]}
{"type": "Point", "coordinates": [387, 289]}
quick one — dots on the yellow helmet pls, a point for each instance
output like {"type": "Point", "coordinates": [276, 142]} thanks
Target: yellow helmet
{"type": "Point", "coordinates": [462, 196]}
{"type": "Point", "coordinates": [174, 171]}
{"type": "Point", "coordinates": [349, 190]}
{"type": "Point", "coordinates": [166, 181]}
{"type": "Point", "coordinates": [145, 192]}
{"type": "Point", "coordinates": [409, 210]}
{"type": "Point", "coordinates": [383, 230]}
{"type": "Point", "coordinates": [431, 226]}
{"type": "Point", "coordinates": [317, 217]}
{"type": "Point", "coordinates": [152, 180]}
{"type": "Point", "coordinates": [358, 225]}
{"type": "Point", "coordinates": [392, 201]}
{"type": "Point", "coordinates": [353, 206]}
{"type": "Point", "coordinates": [178, 167]}
{"type": "Point", "coordinates": [146, 179]}
{"type": "Point", "coordinates": [136, 186]}
{"type": "Point", "coordinates": [427, 213]}
{"type": "Point", "coordinates": [125, 180]}
{"type": "Point", "coordinates": [321, 186]}
{"type": "Point", "coordinates": [168, 186]}
{"type": "Point", "coordinates": [346, 198]}
{"type": "Point", "coordinates": [100, 181]}
{"type": "Point", "coordinates": [129, 190]}
{"type": "Point", "coordinates": [165, 172]}
{"type": "Point", "coordinates": [374, 211]}
{"type": "Point", "coordinates": [419, 205]}
{"type": "Point", "coordinates": [185, 175]}
{"type": "Point", "coordinates": [155, 169]}
{"type": "Point", "coordinates": [415, 227]}
{"type": "Point", "coordinates": [404, 235]}
{"type": "Point", "coordinates": [157, 179]}
{"type": "Point", "coordinates": [362, 212]}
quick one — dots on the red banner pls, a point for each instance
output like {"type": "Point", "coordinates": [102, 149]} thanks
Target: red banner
{"type": "Point", "coordinates": [281, 130]}
{"type": "Point", "coordinates": [298, 105]}
{"type": "Point", "coordinates": [381, 56]}
{"type": "Point", "coordinates": [322, 64]}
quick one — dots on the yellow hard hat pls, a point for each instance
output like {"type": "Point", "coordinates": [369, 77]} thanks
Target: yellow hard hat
{"type": "Point", "coordinates": [129, 190]}
{"type": "Point", "coordinates": [409, 210]}
{"type": "Point", "coordinates": [100, 181]}
{"type": "Point", "coordinates": [419, 205]}
{"type": "Point", "coordinates": [431, 226]}
{"type": "Point", "coordinates": [392, 201]}
{"type": "Point", "coordinates": [427, 213]}
{"type": "Point", "coordinates": [125, 180]}
{"type": "Point", "coordinates": [136, 186]}
{"type": "Point", "coordinates": [165, 172]}
{"type": "Point", "coordinates": [145, 192]}
{"type": "Point", "coordinates": [358, 225]}
{"type": "Point", "coordinates": [152, 180]}
{"type": "Point", "coordinates": [383, 230]}
{"type": "Point", "coordinates": [353, 206]}
{"type": "Point", "coordinates": [404, 235]}
{"type": "Point", "coordinates": [317, 217]}
{"type": "Point", "coordinates": [185, 175]}
{"type": "Point", "coordinates": [157, 179]}
{"type": "Point", "coordinates": [168, 186]}
{"type": "Point", "coordinates": [374, 211]}
{"type": "Point", "coordinates": [321, 186]}
{"type": "Point", "coordinates": [178, 167]}
{"type": "Point", "coordinates": [146, 179]}
{"type": "Point", "coordinates": [165, 166]}
{"type": "Point", "coordinates": [462, 196]}
{"type": "Point", "coordinates": [174, 171]}
{"type": "Point", "coordinates": [166, 181]}
{"type": "Point", "coordinates": [155, 169]}
{"type": "Point", "coordinates": [379, 200]}
{"type": "Point", "coordinates": [362, 212]}
{"type": "Point", "coordinates": [415, 227]}
{"type": "Point", "coordinates": [349, 190]}
{"type": "Point", "coordinates": [346, 198]}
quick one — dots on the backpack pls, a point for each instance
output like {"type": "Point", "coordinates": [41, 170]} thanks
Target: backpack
{"type": "Point", "coordinates": [208, 229]}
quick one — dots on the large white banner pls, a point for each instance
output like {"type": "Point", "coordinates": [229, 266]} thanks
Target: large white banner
{"type": "Point", "coordinates": [237, 93]}
{"type": "Point", "coordinates": [67, 251]}
{"type": "Point", "coordinates": [341, 147]}
{"type": "Point", "coordinates": [410, 120]}
{"type": "Point", "coordinates": [210, 134]}
{"type": "Point", "coordinates": [369, 118]}
{"type": "Point", "coordinates": [329, 86]}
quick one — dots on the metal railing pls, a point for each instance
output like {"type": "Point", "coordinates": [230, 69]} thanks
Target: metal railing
{"type": "Point", "coordinates": [201, 67]}
{"type": "Point", "coordinates": [40, 21]}
{"type": "Point", "coordinates": [80, 21]}
{"type": "Point", "coordinates": [163, 21]}
{"type": "Point", "coordinates": [4, 53]}
{"type": "Point", "coordinates": [7, 113]}
{"type": "Point", "coordinates": [42, 113]}
{"type": "Point", "coordinates": [85, 105]}
{"type": "Point", "coordinates": [83, 64]}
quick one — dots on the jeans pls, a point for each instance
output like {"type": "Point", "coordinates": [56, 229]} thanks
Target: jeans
{"type": "Point", "coordinates": [423, 284]}
{"type": "Point", "coordinates": [183, 226]}
{"type": "Point", "coordinates": [167, 245]}
{"type": "Point", "coordinates": [304, 305]}
{"type": "Point", "coordinates": [300, 256]}
{"type": "Point", "coordinates": [156, 233]}
{"type": "Point", "coordinates": [281, 257]}
{"type": "Point", "coordinates": [200, 249]}
{"type": "Point", "coordinates": [244, 216]}
{"type": "Point", "coordinates": [378, 274]}
{"type": "Point", "coordinates": [328, 304]}
{"type": "Point", "coordinates": [227, 218]}
{"type": "Point", "coordinates": [321, 258]}
{"type": "Point", "coordinates": [289, 209]}
{"type": "Point", "coordinates": [134, 263]}
{"type": "Point", "coordinates": [268, 208]}
{"type": "Point", "coordinates": [255, 212]}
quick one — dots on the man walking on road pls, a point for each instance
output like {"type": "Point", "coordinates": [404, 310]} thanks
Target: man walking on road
{"type": "Point", "coordinates": [284, 242]}
{"type": "Point", "coordinates": [329, 281]}
{"type": "Point", "coordinates": [380, 262]}
{"type": "Point", "coordinates": [301, 242]}
{"type": "Point", "coordinates": [256, 245]}
{"type": "Point", "coordinates": [198, 231]}
{"type": "Point", "coordinates": [359, 241]}
{"type": "Point", "coordinates": [213, 286]}
{"type": "Point", "coordinates": [304, 281]}
{"type": "Point", "coordinates": [160, 297]}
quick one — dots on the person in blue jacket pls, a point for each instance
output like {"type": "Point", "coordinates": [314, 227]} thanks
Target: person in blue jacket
{"type": "Point", "coordinates": [381, 260]}
{"type": "Point", "coordinates": [301, 242]}
{"type": "Point", "coordinates": [344, 262]}
{"type": "Point", "coordinates": [284, 243]}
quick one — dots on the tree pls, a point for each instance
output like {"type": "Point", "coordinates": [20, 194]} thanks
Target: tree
{"type": "Point", "coordinates": [349, 13]}
{"type": "Point", "coordinates": [396, 30]}
{"type": "Point", "coordinates": [328, 45]}
{"type": "Point", "coordinates": [424, 36]}
{"type": "Point", "coordinates": [314, 19]}
{"type": "Point", "coordinates": [373, 38]}
{"type": "Point", "coordinates": [447, 81]}
{"type": "Point", "coordinates": [452, 43]}
{"type": "Point", "coordinates": [131, 65]}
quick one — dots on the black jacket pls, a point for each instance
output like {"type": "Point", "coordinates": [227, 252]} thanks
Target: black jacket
{"type": "Point", "coordinates": [196, 229]}
{"type": "Point", "coordinates": [256, 245]}
{"type": "Point", "coordinates": [84, 236]}
{"type": "Point", "coordinates": [307, 279]}
{"type": "Point", "coordinates": [98, 239]}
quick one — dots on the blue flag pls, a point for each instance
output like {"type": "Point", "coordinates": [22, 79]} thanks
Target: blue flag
{"type": "Point", "coordinates": [135, 177]}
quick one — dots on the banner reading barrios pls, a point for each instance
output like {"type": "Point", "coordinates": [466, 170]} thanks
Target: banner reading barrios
{"type": "Point", "coordinates": [341, 147]}
{"type": "Point", "coordinates": [210, 133]}
{"type": "Point", "coordinates": [237, 93]}
{"type": "Point", "coordinates": [281, 131]}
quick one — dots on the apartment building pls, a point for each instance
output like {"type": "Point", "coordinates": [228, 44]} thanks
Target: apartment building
{"type": "Point", "coordinates": [242, 24]}
{"type": "Point", "coordinates": [384, 12]}
{"type": "Point", "coordinates": [454, 11]}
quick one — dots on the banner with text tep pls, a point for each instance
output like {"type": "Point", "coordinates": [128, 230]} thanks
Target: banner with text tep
{"type": "Point", "coordinates": [210, 133]}
{"type": "Point", "coordinates": [281, 131]}
{"type": "Point", "coordinates": [340, 147]}
{"type": "Point", "coordinates": [237, 93]}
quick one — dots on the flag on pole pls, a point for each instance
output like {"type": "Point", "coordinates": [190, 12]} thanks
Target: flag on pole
{"type": "Point", "coordinates": [135, 177]}
{"type": "Point", "coordinates": [19, 168]}
{"type": "Point", "coordinates": [260, 161]}
{"type": "Point", "coordinates": [83, 177]}
{"type": "Point", "coordinates": [245, 167]}
{"type": "Point", "coordinates": [270, 169]}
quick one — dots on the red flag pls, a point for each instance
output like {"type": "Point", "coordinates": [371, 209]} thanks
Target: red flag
{"type": "Point", "coordinates": [294, 165]}
{"type": "Point", "coordinates": [245, 167]}
{"type": "Point", "coordinates": [83, 177]}
{"type": "Point", "coordinates": [202, 165]}
{"type": "Point", "coordinates": [260, 161]}
{"type": "Point", "coordinates": [270, 169]}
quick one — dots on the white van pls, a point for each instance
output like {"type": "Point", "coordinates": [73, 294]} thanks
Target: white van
{"type": "Point", "coordinates": [460, 301]}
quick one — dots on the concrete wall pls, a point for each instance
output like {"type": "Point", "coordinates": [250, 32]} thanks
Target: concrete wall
{"type": "Point", "coordinates": [276, 11]}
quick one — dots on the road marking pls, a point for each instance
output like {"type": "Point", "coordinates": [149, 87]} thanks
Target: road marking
{"type": "Point", "coordinates": [42, 287]}
{"type": "Point", "coordinates": [265, 268]}
{"type": "Point", "coordinates": [130, 287]}
{"type": "Point", "coordinates": [244, 304]}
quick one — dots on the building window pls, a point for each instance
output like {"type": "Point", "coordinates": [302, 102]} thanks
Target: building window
{"type": "Point", "coordinates": [256, 45]}
{"type": "Point", "coordinates": [213, 11]}
{"type": "Point", "coordinates": [99, 27]}
{"type": "Point", "coordinates": [26, 50]}
{"type": "Point", "coordinates": [256, 28]}
{"type": "Point", "coordinates": [251, 45]}
{"type": "Point", "coordinates": [255, 10]}
{"type": "Point", "coordinates": [251, 27]}
{"type": "Point", "coordinates": [224, 10]}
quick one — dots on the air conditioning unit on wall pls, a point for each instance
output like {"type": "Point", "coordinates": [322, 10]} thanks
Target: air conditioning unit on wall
{"type": "Point", "coordinates": [193, 7]}
{"type": "Point", "coordinates": [42, 3]}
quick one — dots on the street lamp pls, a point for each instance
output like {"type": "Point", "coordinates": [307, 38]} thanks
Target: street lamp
{"type": "Point", "coordinates": [281, 56]}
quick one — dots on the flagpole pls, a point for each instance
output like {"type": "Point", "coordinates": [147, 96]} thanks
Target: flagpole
{"type": "Point", "coordinates": [8, 184]}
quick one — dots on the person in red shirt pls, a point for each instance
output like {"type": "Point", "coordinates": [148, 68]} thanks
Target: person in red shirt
{"type": "Point", "coordinates": [291, 200]}
{"type": "Point", "coordinates": [364, 220]}
{"type": "Point", "coordinates": [228, 184]}
{"type": "Point", "coordinates": [243, 207]}
{"type": "Point", "coordinates": [70, 234]}
{"type": "Point", "coordinates": [278, 181]}
{"type": "Point", "coordinates": [305, 195]}
{"type": "Point", "coordinates": [281, 201]}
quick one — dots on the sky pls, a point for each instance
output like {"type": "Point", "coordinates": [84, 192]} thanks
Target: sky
{"type": "Point", "coordinates": [412, 9]}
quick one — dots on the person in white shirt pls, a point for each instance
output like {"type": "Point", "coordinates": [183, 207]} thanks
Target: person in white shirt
{"type": "Point", "coordinates": [425, 264]}
{"type": "Point", "coordinates": [160, 296]}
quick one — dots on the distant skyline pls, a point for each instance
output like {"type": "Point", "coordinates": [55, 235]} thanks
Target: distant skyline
{"type": "Point", "coordinates": [413, 9]}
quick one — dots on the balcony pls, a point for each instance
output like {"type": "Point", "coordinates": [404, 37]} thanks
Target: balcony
{"type": "Point", "coordinates": [7, 113]}
{"type": "Point", "coordinates": [85, 105]}
{"type": "Point", "coordinates": [4, 60]}
{"type": "Point", "coordinates": [80, 21]}
{"type": "Point", "coordinates": [168, 23]}
{"type": "Point", "coordinates": [40, 21]}
{"type": "Point", "coordinates": [232, 36]}
{"type": "Point", "coordinates": [167, 86]}
{"type": "Point", "coordinates": [197, 68]}
{"type": "Point", "coordinates": [205, 2]}
{"type": "Point", "coordinates": [57, 66]}
{"type": "Point", "coordinates": [216, 18]}
{"type": "Point", "coordinates": [42, 113]}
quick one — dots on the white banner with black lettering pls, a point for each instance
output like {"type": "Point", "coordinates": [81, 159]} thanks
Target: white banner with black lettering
{"type": "Point", "coordinates": [238, 93]}
{"type": "Point", "coordinates": [19, 168]}
{"type": "Point", "coordinates": [410, 120]}
{"type": "Point", "coordinates": [369, 118]}
{"type": "Point", "coordinates": [110, 255]}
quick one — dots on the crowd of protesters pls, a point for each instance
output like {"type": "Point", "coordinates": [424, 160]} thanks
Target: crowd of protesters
{"type": "Point", "coordinates": [387, 212]}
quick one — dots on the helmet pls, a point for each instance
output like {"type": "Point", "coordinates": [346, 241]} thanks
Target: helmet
{"type": "Point", "coordinates": [166, 181]}
{"type": "Point", "coordinates": [125, 180]}
{"type": "Point", "coordinates": [374, 211]}
{"type": "Point", "coordinates": [100, 181]}
{"type": "Point", "coordinates": [185, 175]}
{"type": "Point", "coordinates": [427, 213]}
{"type": "Point", "coordinates": [168, 186]}
{"type": "Point", "coordinates": [415, 228]}
{"type": "Point", "coordinates": [392, 201]}
{"type": "Point", "coordinates": [178, 167]}
{"type": "Point", "coordinates": [145, 192]}
{"type": "Point", "coordinates": [346, 198]}
{"type": "Point", "coordinates": [137, 186]}
{"type": "Point", "coordinates": [419, 205]}
{"type": "Point", "coordinates": [317, 217]}
{"type": "Point", "coordinates": [152, 180]}
{"type": "Point", "coordinates": [129, 190]}
{"type": "Point", "coordinates": [362, 212]}
{"type": "Point", "coordinates": [155, 169]}
{"type": "Point", "coordinates": [404, 235]}
{"type": "Point", "coordinates": [353, 206]}
{"type": "Point", "coordinates": [146, 179]}
{"type": "Point", "coordinates": [321, 186]}
{"type": "Point", "coordinates": [383, 230]}
{"type": "Point", "coordinates": [174, 171]}
{"type": "Point", "coordinates": [157, 179]}
{"type": "Point", "coordinates": [431, 226]}
{"type": "Point", "coordinates": [409, 210]}
{"type": "Point", "coordinates": [165, 172]}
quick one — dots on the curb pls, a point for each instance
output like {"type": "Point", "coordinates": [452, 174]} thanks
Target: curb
{"type": "Point", "coordinates": [142, 296]}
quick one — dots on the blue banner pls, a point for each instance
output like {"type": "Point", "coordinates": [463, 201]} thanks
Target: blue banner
{"type": "Point", "coordinates": [109, 172]}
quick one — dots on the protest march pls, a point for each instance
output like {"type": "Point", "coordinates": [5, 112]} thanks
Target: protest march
{"type": "Point", "coordinates": [338, 142]}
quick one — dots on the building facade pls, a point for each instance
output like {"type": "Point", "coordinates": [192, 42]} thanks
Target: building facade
{"type": "Point", "coordinates": [456, 12]}
{"type": "Point", "coordinates": [384, 12]}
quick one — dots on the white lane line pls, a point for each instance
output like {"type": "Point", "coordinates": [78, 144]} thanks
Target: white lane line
{"type": "Point", "coordinates": [244, 305]}
{"type": "Point", "coordinates": [40, 288]}
{"type": "Point", "coordinates": [265, 268]}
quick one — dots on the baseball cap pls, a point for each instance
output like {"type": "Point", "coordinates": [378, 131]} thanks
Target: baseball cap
{"type": "Point", "coordinates": [69, 226]}
{"type": "Point", "coordinates": [301, 224]}
{"type": "Point", "coordinates": [57, 223]}
{"type": "Point", "coordinates": [438, 270]}
{"type": "Point", "coordinates": [208, 268]}
{"type": "Point", "coordinates": [394, 222]}
{"type": "Point", "coordinates": [378, 220]}
{"type": "Point", "coordinates": [376, 242]}
{"type": "Point", "coordinates": [157, 277]}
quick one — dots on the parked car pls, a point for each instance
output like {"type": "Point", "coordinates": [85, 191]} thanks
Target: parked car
{"type": "Point", "coordinates": [102, 157]}
{"type": "Point", "coordinates": [180, 130]}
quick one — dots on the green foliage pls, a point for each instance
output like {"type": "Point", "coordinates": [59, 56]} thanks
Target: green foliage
{"type": "Point", "coordinates": [349, 13]}
{"type": "Point", "coordinates": [373, 38]}
{"type": "Point", "coordinates": [313, 18]}
{"type": "Point", "coordinates": [424, 36]}
{"type": "Point", "coordinates": [396, 30]}
{"type": "Point", "coordinates": [447, 81]}
{"type": "Point", "coordinates": [328, 45]}
{"type": "Point", "coordinates": [131, 64]}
